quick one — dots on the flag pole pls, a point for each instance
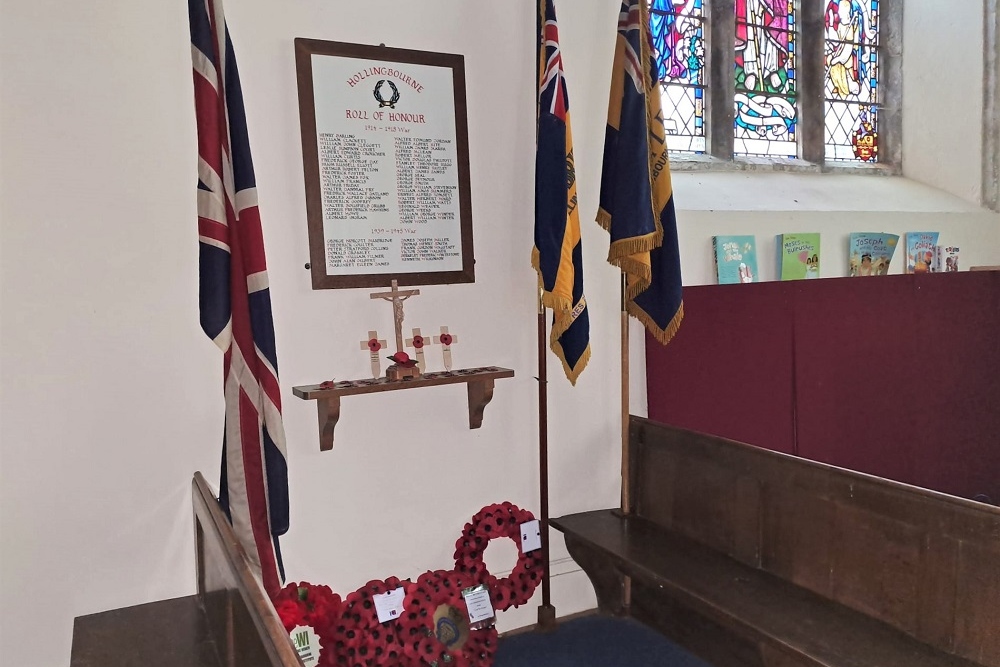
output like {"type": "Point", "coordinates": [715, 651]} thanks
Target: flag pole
{"type": "Point", "coordinates": [626, 461]}
{"type": "Point", "coordinates": [546, 612]}
{"type": "Point", "coordinates": [626, 488]}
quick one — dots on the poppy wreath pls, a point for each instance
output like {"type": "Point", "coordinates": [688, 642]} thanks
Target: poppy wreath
{"type": "Point", "coordinates": [310, 605]}
{"type": "Point", "coordinates": [358, 639]}
{"type": "Point", "coordinates": [490, 523]}
{"type": "Point", "coordinates": [432, 636]}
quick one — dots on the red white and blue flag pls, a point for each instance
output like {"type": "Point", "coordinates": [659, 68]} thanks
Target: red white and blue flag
{"type": "Point", "coordinates": [235, 301]}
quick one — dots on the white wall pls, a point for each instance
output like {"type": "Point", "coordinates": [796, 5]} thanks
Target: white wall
{"type": "Point", "coordinates": [943, 95]}
{"type": "Point", "coordinates": [111, 395]}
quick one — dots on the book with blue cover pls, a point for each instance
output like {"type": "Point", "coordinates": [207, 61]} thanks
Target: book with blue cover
{"type": "Point", "coordinates": [870, 253]}
{"type": "Point", "coordinates": [735, 259]}
{"type": "Point", "coordinates": [920, 250]}
{"type": "Point", "coordinates": [798, 256]}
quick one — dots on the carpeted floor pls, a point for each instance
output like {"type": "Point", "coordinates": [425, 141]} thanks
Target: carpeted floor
{"type": "Point", "coordinates": [594, 641]}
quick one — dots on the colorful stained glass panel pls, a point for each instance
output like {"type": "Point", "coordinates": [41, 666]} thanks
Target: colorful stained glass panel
{"type": "Point", "coordinates": [678, 30]}
{"type": "Point", "coordinates": [852, 69]}
{"type": "Point", "coordinates": [766, 121]}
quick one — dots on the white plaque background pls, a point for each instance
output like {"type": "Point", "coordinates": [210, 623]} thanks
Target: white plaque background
{"type": "Point", "coordinates": [380, 230]}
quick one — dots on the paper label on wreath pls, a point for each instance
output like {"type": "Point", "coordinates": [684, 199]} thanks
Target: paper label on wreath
{"type": "Point", "coordinates": [531, 536]}
{"type": "Point", "coordinates": [389, 606]}
{"type": "Point", "coordinates": [477, 599]}
{"type": "Point", "coordinates": [306, 644]}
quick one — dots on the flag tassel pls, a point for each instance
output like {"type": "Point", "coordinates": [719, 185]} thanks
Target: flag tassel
{"type": "Point", "coordinates": [663, 335]}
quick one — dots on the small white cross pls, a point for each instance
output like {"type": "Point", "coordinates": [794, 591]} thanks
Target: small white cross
{"type": "Point", "coordinates": [446, 340]}
{"type": "Point", "coordinates": [374, 346]}
{"type": "Point", "coordinates": [418, 343]}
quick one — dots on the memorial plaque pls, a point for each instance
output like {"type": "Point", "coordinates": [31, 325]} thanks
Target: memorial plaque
{"type": "Point", "coordinates": [386, 158]}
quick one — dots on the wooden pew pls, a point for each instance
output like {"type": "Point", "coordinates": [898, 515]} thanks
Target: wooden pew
{"type": "Point", "coordinates": [239, 614]}
{"type": "Point", "coordinates": [753, 558]}
{"type": "Point", "coordinates": [229, 623]}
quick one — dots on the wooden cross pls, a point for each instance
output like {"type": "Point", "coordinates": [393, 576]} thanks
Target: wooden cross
{"type": "Point", "coordinates": [446, 340]}
{"type": "Point", "coordinates": [373, 345]}
{"type": "Point", "coordinates": [397, 296]}
{"type": "Point", "coordinates": [418, 343]}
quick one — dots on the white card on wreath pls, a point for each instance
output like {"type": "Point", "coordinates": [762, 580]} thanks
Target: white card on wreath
{"type": "Point", "coordinates": [389, 606]}
{"type": "Point", "coordinates": [531, 536]}
{"type": "Point", "coordinates": [306, 644]}
{"type": "Point", "coordinates": [477, 599]}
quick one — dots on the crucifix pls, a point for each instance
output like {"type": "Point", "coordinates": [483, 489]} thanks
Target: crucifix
{"type": "Point", "coordinates": [397, 296]}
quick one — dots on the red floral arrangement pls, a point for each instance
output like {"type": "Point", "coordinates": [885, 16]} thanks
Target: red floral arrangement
{"type": "Point", "coordinates": [312, 605]}
{"type": "Point", "coordinates": [435, 623]}
{"type": "Point", "coordinates": [434, 627]}
{"type": "Point", "coordinates": [403, 359]}
{"type": "Point", "coordinates": [490, 523]}
{"type": "Point", "coordinates": [359, 640]}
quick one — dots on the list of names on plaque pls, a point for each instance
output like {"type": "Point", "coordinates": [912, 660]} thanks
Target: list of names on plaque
{"type": "Point", "coordinates": [347, 164]}
{"type": "Point", "coordinates": [388, 159]}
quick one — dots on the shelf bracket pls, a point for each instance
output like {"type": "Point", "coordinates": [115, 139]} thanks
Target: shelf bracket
{"type": "Point", "coordinates": [329, 415]}
{"type": "Point", "coordinates": [480, 395]}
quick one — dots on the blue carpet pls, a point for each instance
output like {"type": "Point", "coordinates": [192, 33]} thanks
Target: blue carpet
{"type": "Point", "coordinates": [594, 641]}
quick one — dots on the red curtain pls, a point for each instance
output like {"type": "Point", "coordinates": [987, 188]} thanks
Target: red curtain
{"type": "Point", "coordinates": [896, 376]}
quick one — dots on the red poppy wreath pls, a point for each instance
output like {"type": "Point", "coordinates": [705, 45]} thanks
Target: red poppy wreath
{"type": "Point", "coordinates": [435, 623]}
{"type": "Point", "coordinates": [310, 605]}
{"type": "Point", "coordinates": [490, 523]}
{"type": "Point", "coordinates": [358, 639]}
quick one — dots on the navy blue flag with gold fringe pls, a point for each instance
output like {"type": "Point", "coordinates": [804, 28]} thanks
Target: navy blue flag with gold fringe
{"type": "Point", "coordinates": [558, 254]}
{"type": "Point", "coordinates": [637, 204]}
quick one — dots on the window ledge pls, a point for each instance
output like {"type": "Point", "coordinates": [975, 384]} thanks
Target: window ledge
{"type": "Point", "coordinates": [704, 163]}
{"type": "Point", "coordinates": [781, 191]}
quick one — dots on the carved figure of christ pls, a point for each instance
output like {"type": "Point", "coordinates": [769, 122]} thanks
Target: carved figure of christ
{"type": "Point", "coordinates": [397, 297]}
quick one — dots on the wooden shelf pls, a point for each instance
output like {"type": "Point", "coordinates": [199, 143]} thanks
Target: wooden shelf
{"type": "Point", "coordinates": [479, 382]}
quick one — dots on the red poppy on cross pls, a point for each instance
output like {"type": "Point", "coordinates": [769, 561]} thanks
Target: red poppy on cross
{"type": "Point", "coordinates": [417, 343]}
{"type": "Point", "coordinates": [446, 340]}
{"type": "Point", "coordinates": [373, 345]}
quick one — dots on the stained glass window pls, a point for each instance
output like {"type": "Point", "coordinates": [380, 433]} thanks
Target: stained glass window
{"type": "Point", "coordinates": [678, 28]}
{"type": "Point", "coordinates": [766, 121]}
{"type": "Point", "coordinates": [851, 111]}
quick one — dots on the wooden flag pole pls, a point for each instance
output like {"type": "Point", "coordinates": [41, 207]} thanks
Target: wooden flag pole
{"type": "Point", "coordinates": [626, 474]}
{"type": "Point", "coordinates": [626, 490]}
{"type": "Point", "coordinates": [546, 612]}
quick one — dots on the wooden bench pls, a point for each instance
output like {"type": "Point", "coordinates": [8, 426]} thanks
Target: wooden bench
{"type": "Point", "coordinates": [229, 623]}
{"type": "Point", "coordinates": [753, 558]}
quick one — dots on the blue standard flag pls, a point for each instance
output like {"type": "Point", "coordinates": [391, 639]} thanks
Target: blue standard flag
{"type": "Point", "coordinates": [637, 204]}
{"type": "Point", "coordinates": [558, 253]}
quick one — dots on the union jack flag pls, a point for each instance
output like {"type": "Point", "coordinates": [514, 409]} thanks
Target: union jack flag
{"type": "Point", "coordinates": [235, 301]}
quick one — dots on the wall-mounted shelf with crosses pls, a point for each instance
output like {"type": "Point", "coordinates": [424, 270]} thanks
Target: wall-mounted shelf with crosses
{"type": "Point", "coordinates": [479, 382]}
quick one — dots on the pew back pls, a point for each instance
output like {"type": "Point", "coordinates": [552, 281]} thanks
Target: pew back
{"type": "Point", "coordinates": [242, 620]}
{"type": "Point", "coordinates": [923, 562]}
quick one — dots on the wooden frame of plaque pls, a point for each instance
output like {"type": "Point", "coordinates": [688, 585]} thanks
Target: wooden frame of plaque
{"type": "Point", "coordinates": [385, 152]}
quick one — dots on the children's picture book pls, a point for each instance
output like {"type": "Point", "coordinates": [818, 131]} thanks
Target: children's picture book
{"type": "Point", "coordinates": [920, 247]}
{"type": "Point", "coordinates": [945, 259]}
{"type": "Point", "coordinates": [870, 253]}
{"type": "Point", "coordinates": [798, 256]}
{"type": "Point", "coordinates": [735, 259]}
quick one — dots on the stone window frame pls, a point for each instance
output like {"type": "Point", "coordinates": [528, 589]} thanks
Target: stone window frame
{"type": "Point", "coordinates": [991, 106]}
{"type": "Point", "coordinates": [720, 25]}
